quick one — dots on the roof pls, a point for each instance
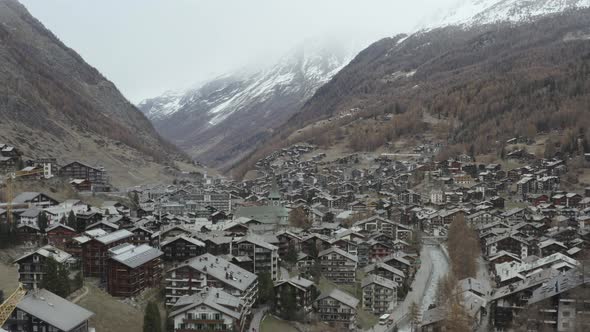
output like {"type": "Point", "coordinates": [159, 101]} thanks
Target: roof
{"type": "Point", "coordinates": [104, 222]}
{"type": "Point", "coordinates": [49, 251]}
{"type": "Point", "coordinates": [222, 270]}
{"type": "Point", "coordinates": [54, 310]}
{"type": "Point", "coordinates": [384, 266]}
{"type": "Point", "coordinates": [558, 284]}
{"type": "Point", "coordinates": [136, 256]}
{"type": "Point", "coordinates": [340, 252]}
{"type": "Point", "coordinates": [185, 238]}
{"type": "Point", "coordinates": [296, 281]}
{"type": "Point", "coordinates": [264, 214]}
{"type": "Point", "coordinates": [258, 241]}
{"type": "Point", "coordinates": [214, 298]}
{"type": "Point", "coordinates": [375, 279]}
{"type": "Point", "coordinates": [341, 297]}
{"type": "Point", "coordinates": [31, 213]}
{"type": "Point", "coordinates": [58, 225]}
{"type": "Point", "coordinates": [25, 197]}
{"type": "Point", "coordinates": [114, 236]}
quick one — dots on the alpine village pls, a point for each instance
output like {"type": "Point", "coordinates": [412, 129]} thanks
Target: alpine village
{"type": "Point", "coordinates": [452, 195]}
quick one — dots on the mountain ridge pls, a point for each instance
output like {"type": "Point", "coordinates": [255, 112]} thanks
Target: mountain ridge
{"type": "Point", "coordinates": [54, 104]}
{"type": "Point", "coordinates": [479, 82]}
{"type": "Point", "coordinates": [223, 119]}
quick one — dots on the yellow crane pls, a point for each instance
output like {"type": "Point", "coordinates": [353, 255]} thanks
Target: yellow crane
{"type": "Point", "coordinates": [9, 305]}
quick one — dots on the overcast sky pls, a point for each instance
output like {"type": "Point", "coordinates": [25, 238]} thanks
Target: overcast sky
{"type": "Point", "coordinates": [147, 47]}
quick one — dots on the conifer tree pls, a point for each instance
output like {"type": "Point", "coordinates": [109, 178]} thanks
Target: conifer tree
{"type": "Point", "coordinates": [71, 220]}
{"type": "Point", "coordinates": [42, 221]}
{"type": "Point", "coordinates": [152, 322]}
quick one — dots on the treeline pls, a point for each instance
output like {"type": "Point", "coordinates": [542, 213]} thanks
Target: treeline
{"type": "Point", "coordinates": [485, 85]}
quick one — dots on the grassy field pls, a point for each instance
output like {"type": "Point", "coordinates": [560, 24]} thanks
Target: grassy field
{"type": "Point", "coordinates": [273, 324]}
{"type": "Point", "coordinates": [8, 278]}
{"type": "Point", "coordinates": [109, 313]}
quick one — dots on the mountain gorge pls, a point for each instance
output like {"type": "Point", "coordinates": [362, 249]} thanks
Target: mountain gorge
{"type": "Point", "coordinates": [481, 83]}
{"type": "Point", "coordinates": [53, 104]}
{"type": "Point", "coordinates": [223, 120]}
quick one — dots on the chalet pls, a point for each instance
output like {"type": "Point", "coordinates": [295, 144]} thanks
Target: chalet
{"type": "Point", "coordinates": [379, 294]}
{"type": "Point", "coordinates": [95, 252]}
{"type": "Point", "coordinates": [104, 225]}
{"type": "Point", "coordinates": [181, 248]}
{"type": "Point", "coordinates": [31, 267]}
{"type": "Point", "coordinates": [508, 243]}
{"type": "Point", "coordinates": [265, 256]}
{"type": "Point", "coordinates": [132, 269]}
{"type": "Point", "coordinates": [34, 199]}
{"type": "Point", "coordinates": [338, 309]}
{"type": "Point", "coordinates": [304, 262]}
{"type": "Point", "coordinates": [59, 235]}
{"type": "Point", "coordinates": [27, 233]}
{"type": "Point", "coordinates": [286, 239]}
{"type": "Point", "coordinates": [399, 262]}
{"type": "Point", "coordinates": [562, 303]}
{"type": "Point", "coordinates": [143, 235]}
{"type": "Point", "coordinates": [41, 310]}
{"type": "Point", "coordinates": [386, 271]}
{"type": "Point", "coordinates": [81, 184]}
{"type": "Point", "coordinates": [212, 309]}
{"type": "Point", "coordinates": [337, 265]}
{"type": "Point", "coordinates": [304, 292]}
{"type": "Point", "coordinates": [78, 170]}
{"type": "Point", "coordinates": [207, 271]}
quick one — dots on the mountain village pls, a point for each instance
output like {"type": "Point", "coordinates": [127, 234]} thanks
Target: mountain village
{"type": "Point", "coordinates": [347, 243]}
{"type": "Point", "coordinates": [432, 176]}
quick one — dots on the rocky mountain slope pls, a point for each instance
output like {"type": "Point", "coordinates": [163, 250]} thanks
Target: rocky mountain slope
{"type": "Point", "coordinates": [478, 12]}
{"type": "Point", "coordinates": [224, 119]}
{"type": "Point", "coordinates": [53, 104]}
{"type": "Point", "coordinates": [480, 84]}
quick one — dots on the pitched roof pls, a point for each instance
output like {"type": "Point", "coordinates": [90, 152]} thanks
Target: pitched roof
{"type": "Point", "coordinates": [185, 238]}
{"type": "Point", "coordinates": [340, 296]}
{"type": "Point", "coordinates": [214, 298]}
{"type": "Point", "coordinates": [221, 270]}
{"type": "Point", "coordinates": [54, 310]}
{"type": "Point", "coordinates": [375, 279]}
{"type": "Point", "coordinates": [340, 252]}
{"type": "Point", "coordinates": [49, 251]}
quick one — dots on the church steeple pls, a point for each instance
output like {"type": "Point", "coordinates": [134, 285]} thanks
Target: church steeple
{"type": "Point", "coordinates": [274, 196]}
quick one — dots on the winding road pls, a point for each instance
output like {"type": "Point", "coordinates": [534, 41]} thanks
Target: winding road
{"type": "Point", "coordinates": [434, 265]}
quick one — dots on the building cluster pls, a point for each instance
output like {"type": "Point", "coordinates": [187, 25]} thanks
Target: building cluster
{"type": "Point", "coordinates": [348, 221]}
{"type": "Point", "coordinates": [80, 176]}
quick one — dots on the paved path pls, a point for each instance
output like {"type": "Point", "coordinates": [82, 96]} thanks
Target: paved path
{"type": "Point", "coordinates": [81, 296]}
{"type": "Point", "coordinates": [284, 274]}
{"type": "Point", "coordinates": [434, 265]}
{"type": "Point", "coordinates": [257, 317]}
{"type": "Point", "coordinates": [483, 274]}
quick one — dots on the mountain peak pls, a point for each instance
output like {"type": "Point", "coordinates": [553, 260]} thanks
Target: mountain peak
{"type": "Point", "coordinates": [478, 12]}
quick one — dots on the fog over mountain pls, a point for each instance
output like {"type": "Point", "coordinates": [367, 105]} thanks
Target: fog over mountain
{"type": "Point", "coordinates": [148, 47]}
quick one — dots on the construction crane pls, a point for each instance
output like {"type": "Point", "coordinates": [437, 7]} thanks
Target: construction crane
{"type": "Point", "coordinates": [9, 183]}
{"type": "Point", "coordinates": [10, 304]}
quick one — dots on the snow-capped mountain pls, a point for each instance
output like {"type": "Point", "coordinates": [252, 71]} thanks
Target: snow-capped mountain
{"type": "Point", "coordinates": [477, 12]}
{"type": "Point", "coordinates": [220, 121]}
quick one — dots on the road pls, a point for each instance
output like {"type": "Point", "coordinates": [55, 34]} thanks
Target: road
{"type": "Point", "coordinates": [434, 265]}
{"type": "Point", "coordinates": [483, 274]}
{"type": "Point", "coordinates": [284, 274]}
{"type": "Point", "coordinates": [257, 317]}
